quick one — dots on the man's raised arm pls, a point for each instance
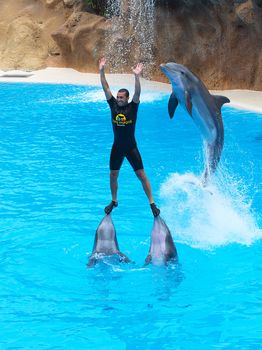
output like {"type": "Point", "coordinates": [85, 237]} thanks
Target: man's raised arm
{"type": "Point", "coordinates": [137, 71]}
{"type": "Point", "coordinates": [103, 80]}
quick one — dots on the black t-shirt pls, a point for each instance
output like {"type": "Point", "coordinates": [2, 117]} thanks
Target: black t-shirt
{"type": "Point", "coordinates": [124, 123]}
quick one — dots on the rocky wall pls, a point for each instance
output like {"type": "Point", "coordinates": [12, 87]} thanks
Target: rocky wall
{"type": "Point", "coordinates": [221, 41]}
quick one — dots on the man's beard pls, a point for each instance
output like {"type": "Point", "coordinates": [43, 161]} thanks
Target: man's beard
{"type": "Point", "coordinates": [122, 103]}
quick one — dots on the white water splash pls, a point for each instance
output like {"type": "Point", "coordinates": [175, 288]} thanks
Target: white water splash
{"type": "Point", "coordinates": [207, 218]}
{"type": "Point", "coordinates": [99, 96]}
{"type": "Point", "coordinates": [131, 37]}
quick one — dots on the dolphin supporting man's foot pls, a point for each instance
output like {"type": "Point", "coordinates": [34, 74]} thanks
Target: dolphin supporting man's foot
{"type": "Point", "coordinates": [162, 247]}
{"type": "Point", "coordinates": [105, 243]}
{"type": "Point", "coordinates": [110, 207]}
{"type": "Point", "coordinates": [154, 209]}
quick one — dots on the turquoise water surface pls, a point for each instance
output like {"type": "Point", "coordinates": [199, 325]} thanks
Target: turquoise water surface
{"type": "Point", "coordinates": [55, 142]}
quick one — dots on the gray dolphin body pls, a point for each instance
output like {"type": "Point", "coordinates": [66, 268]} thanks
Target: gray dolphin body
{"type": "Point", "coordinates": [162, 248]}
{"type": "Point", "coordinates": [105, 243]}
{"type": "Point", "coordinates": [205, 109]}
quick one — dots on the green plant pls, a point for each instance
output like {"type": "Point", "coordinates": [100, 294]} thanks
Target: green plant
{"type": "Point", "coordinates": [91, 3]}
{"type": "Point", "coordinates": [97, 5]}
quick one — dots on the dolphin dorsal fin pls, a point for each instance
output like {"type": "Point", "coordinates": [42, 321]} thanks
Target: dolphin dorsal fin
{"type": "Point", "coordinates": [220, 100]}
{"type": "Point", "coordinates": [172, 105]}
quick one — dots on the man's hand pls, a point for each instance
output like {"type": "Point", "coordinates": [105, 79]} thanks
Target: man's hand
{"type": "Point", "coordinates": [102, 63]}
{"type": "Point", "coordinates": [138, 69]}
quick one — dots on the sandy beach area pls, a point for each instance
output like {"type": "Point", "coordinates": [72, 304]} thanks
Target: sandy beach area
{"type": "Point", "coordinates": [244, 99]}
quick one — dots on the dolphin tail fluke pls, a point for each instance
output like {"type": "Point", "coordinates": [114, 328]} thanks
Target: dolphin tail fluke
{"type": "Point", "coordinates": [172, 105]}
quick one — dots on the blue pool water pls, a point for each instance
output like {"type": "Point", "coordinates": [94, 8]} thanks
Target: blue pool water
{"type": "Point", "coordinates": [54, 149]}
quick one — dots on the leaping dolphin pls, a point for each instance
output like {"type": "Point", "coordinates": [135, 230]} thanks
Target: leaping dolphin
{"type": "Point", "coordinates": [105, 243]}
{"type": "Point", "coordinates": [162, 248]}
{"type": "Point", "coordinates": [204, 108]}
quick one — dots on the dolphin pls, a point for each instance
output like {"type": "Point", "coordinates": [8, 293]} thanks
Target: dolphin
{"type": "Point", "coordinates": [105, 243]}
{"type": "Point", "coordinates": [205, 110]}
{"type": "Point", "coordinates": [162, 248]}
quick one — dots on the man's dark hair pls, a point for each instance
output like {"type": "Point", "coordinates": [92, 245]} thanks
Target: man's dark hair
{"type": "Point", "coordinates": [124, 90]}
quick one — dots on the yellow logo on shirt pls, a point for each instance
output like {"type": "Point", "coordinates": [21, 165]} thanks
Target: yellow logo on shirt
{"type": "Point", "coordinates": [120, 120]}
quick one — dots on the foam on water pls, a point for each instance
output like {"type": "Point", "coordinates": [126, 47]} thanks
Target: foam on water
{"type": "Point", "coordinates": [207, 218]}
{"type": "Point", "coordinates": [99, 96]}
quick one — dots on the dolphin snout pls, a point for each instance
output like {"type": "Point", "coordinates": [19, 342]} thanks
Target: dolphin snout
{"type": "Point", "coordinates": [164, 68]}
{"type": "Point", "coordinates": [169, 67]}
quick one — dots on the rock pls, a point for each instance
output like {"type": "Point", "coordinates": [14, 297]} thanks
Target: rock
{"type": "Point", "coordinates": [52, 3]}
{"type": "Point", "coordinates": [221, 44]}
{"type": "Point", "coordinates": [71, 3]}
{"type": "Point", "coordinates": [258, 3]}
{"type": "Point", "coordinates": [66, 3]}
{"type": "Point", "coordinates": [258, 17]}
{"type": "Point", "coordinates": [221, 41]}
{"type": "Point", "coordinates": [81, 40]}
{"type": "Point", "coordinates": [23, 47]}
{"type": "Point", "coordinates": [245, 12]}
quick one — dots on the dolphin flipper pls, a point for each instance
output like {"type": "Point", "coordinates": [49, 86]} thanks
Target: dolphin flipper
{"type": "Point", "coordinates": [123, 258]}
{"type": "Point", "coordinates": [92, 261]}
{"type": "Point", "coordinates": [148, 260]}
{"type": "Point", "coordinates": [95, 258]}
{"type": "Point", "coordinates": [220, 100]}
{"type": "Point", "coordinates": [189, 105]}
{"type": "Point", "coordinates": [172, 105]}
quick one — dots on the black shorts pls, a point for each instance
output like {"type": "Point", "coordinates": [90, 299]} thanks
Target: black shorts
{"type": "Point", "coordinates": [133, 156]}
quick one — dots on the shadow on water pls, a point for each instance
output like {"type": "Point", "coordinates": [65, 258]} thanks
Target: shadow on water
{"type": "Point", "coordinates": [161, 281]}
{"type": "Point", "coordinates": [131, 301]}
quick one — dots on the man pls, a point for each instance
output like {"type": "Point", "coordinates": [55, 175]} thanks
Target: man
{"type": "Point", "coordinates": [123, 116]}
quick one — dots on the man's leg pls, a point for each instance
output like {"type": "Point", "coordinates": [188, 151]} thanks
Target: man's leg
{"type": "Point", "coordinates": [113, 187]}
{"type": "Point", "coordinates": [148, 191]}
{"type": "Point", "coordinates": [114, 184]}
{"type": "Point", "coordinates": [146, 184]}
{"type": "Point", "coordinates": [116, 160]}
